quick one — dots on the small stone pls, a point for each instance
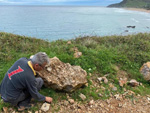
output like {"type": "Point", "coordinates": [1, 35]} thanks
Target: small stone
{"type": "Point", "coordinates": [77, 54]}
{"type": "Point", "coordinates": [100, 79]}
{"type": "Point", "coordinates": [103, 88]}
{"type": "Point", "coordinates": [83, 97]}
{"type": "Point", "coordinates": [45, 107]}
{"type": "Point", "coordinates": [75, 49]}
{"type": "Point", "coordinates": [100, 95]}
{"type": "Point", "coordinates": [91, 102]}
{"type": "Point", "coordinates": [48, 69]}
{"type": "Point", "coordinates": [148, 98]}
{"type": "Point", "coordinates": [117, 96]}
{"type": "Point", "coordinates": [14, 112]}
{"type": "Point", "coordinates": [105, 80]}
{"type": "Point", "coordinates": [120, 105]}
{"type": "Point", "coordinates": [31, 56]}
{"type": "Point", "coordinates": [134, 102]}
{"type": "Point", "coordinates": [5, 109]}
{"type": "Point", "coordinates": [36, 112]}
{"type": "Point", "coordinates": [79, 106]}
{"type": "Point", "coordinates": [114, 88]}
{"type": "Point", "coordinates": [122, 82]}
{"type": "Point", "coordinates": [86, 84]}
{"type": "Point", "coordinates": [29, 112]}
{"type": "Point", "coordinates": [141, 84]}
{"type": "Point", "coordinates": [71, 101]}
{"type": "Point", "coordinates": [66, 103]}
{"type": "Point", "coordinates": [90, 74]}
{"type": "Point", "coordinates": [102, 105]}
{"type": "Point", "coordinates": [69, 42]}
{"type": "Point", "coordinates": [133, 83]}
{"type": "Point", "coordinates": [124, 89]}
{"type": "Point", "coordinates": [79, 111]}
{"type": "Point", "coordinates": [108, 101]}
{"type": "Point", "coordinates": [138, 95]}
{"type": "Point", "coordinates": [111, 85]}
{"type": "Point", "coordinates": [131, 92]}
{"type": "Point", "coordinates": [10, 109]}
{"type": "Point", "coordinates": [97, 91]}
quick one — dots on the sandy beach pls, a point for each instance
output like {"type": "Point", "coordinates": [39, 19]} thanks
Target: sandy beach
{"type": "Point", "coordinates": [138, 9]}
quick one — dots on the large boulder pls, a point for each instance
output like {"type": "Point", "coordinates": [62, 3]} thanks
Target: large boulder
{"type": "Point", "coordinates": [63, 76]}
{"type": "Point", "coordinates": [145, 71]}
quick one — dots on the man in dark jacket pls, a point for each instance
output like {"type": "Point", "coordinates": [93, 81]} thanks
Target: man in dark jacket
{"type": "Point", "coordinates": [20, 85]}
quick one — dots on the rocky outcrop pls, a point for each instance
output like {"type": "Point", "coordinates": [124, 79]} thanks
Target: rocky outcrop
{"type": "Point", "coordinates": [145, 71]}
{"type": "Point", "coordinates": [132, 4]}
{"type": "Point", "coordinates": [63, 76]}
{"type": "Point", "coordinates": [131, 26]}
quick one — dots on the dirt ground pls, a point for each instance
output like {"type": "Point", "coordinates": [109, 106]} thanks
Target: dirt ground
{"type": "Point", "coordinates": [116, 104]}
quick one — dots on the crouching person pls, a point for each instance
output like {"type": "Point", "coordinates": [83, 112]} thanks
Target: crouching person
{"type": "Point", "coordinates": [19, 85]}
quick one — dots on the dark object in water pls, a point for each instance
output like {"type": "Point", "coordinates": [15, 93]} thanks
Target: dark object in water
{"type": "Point", "coordinates": [130, 26]}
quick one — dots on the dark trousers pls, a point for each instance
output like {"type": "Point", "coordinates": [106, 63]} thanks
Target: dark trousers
{"type": "Point", "coordinates": [25, 97]}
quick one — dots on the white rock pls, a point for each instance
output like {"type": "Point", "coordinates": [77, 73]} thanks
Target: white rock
{"type": "Point", "coordinates": [71, 101]}
{"type": "Point", "coordinates": [99, 79]}
{"type": "Point", "coordinates": [133, 83]}
{"type": "Point", "coordinates": [62, 76]}
{"type": "Point", "coordinates": [100, 95]}
{"type": "Point", "coordinates": [120, 105]}
{"type": "Point", "coordinates": [91, 102]}
{"type": "Point", "coordinates": [148, 98]}
{"type": "Point", "coordinates": [83, 97]}
{"type": "Point", "coordinates": [49, 69]}
{"type": "Point", "coordinates": [45, 107]}
{"type": "Point", "coordinates": [31, 56]}
{"type": "Point", "coordinates": [5, 109]}
{"type": "Point", "coordinates": [105, 80]}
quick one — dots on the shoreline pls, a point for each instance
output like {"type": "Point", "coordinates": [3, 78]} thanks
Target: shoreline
{"type": "Point", "coordinates": [138, 9]}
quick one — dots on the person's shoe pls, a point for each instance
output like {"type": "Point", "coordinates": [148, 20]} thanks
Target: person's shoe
{"type": "Point", "coordinates": [22, 108]}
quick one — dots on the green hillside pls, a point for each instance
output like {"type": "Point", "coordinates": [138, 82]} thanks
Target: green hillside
{"type": "Point", "coordinates": [132, 4]}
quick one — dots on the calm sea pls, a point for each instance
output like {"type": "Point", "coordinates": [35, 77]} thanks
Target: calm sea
{"type": "Point", "coordinates": [61, 22]}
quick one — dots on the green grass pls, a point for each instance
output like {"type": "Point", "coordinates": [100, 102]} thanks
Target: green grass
{"type": "Point", "coordinates": [99, 57]}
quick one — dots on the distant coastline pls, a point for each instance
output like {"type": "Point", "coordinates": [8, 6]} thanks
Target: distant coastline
{"type": "Point", "coordinates": [138, 9]}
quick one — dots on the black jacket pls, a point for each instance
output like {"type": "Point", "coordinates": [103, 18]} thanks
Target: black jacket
{"type": "Point", "coordinates": [20, 77]}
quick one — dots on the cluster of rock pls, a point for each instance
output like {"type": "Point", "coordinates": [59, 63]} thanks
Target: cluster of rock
{"type": "Point", "coordinates": [63, 76]}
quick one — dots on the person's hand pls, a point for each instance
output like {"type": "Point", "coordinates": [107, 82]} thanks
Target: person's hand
{"type": "Point", "coordinates": [48, 99]}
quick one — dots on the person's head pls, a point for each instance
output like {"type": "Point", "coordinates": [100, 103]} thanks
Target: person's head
{"type": "Point", "coordinates": [39, 61]}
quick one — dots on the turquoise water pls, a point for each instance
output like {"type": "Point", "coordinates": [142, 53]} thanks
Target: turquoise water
{"type": "Point", "coordinates": [54, 22]}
